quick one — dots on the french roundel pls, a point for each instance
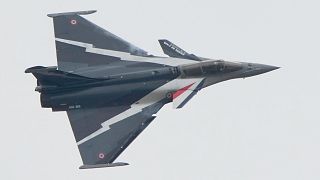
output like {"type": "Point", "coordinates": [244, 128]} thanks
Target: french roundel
{"type": "Point", "coordinates": [73, 22]}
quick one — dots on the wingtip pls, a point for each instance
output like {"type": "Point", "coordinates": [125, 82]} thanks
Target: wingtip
{"type": "Point", "coordinates": [85, 166]}
{"type": "Point", "coordinates": [52, 15]}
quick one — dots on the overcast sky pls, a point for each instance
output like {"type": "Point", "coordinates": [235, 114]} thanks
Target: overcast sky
{"type": "Point", "coordinates": [264, 127]}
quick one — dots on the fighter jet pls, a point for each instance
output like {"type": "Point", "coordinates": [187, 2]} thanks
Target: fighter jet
{"type": "Point", "coordinates": [111, 90]}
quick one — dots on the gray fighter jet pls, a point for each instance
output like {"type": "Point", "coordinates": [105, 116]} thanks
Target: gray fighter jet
{"type": "Point", "coordinates": [112, 90]}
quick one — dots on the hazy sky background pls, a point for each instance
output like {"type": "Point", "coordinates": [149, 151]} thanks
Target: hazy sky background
{"type": "Point", "coordinates": [265, 127]}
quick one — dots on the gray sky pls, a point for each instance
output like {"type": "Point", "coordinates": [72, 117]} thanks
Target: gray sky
{"type": "Point", "coordinates": [265, 127]}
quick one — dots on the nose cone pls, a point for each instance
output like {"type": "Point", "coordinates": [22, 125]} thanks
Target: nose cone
{"type": "Point", "coordinates": [262, 68]}
{"type": "Point", "coordinates": [256, 69]}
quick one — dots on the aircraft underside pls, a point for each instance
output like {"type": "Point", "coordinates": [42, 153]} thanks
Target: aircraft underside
{"type": "Point", "coordinates": [112, 90]}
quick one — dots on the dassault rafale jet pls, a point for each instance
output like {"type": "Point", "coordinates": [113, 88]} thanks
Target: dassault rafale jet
{"type": "Point", "coordinates": [112, 90]}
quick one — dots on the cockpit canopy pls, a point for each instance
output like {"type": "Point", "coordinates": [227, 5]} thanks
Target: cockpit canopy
{"type": "Point", "coordinates": [209, 67]}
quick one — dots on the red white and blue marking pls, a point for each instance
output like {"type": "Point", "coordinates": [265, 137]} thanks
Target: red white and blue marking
{"type": "Point", "coordinates": [183, 95]}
